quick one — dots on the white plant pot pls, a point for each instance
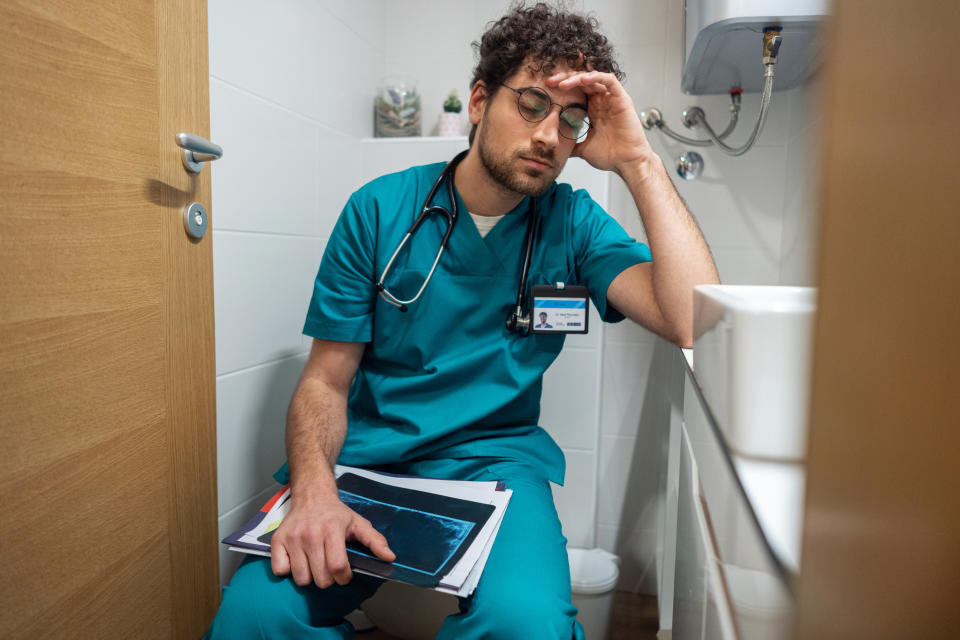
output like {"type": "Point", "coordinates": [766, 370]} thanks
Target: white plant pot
{"type": "Point", "coordinates": [450, 124]}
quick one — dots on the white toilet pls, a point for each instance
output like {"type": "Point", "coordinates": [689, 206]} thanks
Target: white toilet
{"type": "Point", "coordinates": [593, 579]}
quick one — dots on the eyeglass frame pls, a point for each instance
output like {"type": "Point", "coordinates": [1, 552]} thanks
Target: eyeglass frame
{"type": "Point", "coordinates": [563, 108]}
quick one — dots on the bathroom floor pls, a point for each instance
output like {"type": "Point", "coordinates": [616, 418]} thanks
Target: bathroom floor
{"type": "Point", "coordinates": [634, 618]}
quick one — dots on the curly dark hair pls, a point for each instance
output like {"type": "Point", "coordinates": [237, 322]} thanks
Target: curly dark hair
{"type": "Point", "coordinates": [545, 36]}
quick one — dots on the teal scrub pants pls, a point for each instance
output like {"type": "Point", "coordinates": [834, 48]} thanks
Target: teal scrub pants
{"type": "Point", "coordinates": [524, 591]}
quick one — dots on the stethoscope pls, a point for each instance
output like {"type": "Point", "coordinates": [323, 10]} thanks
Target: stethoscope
{"type": "Point", "coordinates": [517, 320]}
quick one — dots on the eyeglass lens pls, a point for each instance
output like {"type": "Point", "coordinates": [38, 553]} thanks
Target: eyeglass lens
{"type": "Point", "coordinates": [534, 106]}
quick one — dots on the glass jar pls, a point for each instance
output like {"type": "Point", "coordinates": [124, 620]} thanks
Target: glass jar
{"type": "Point", "coordinates": [397, 108]}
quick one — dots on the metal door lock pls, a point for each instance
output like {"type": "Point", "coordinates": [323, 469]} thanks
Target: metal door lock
{"type": "Point", "coordinates": [195, 220]}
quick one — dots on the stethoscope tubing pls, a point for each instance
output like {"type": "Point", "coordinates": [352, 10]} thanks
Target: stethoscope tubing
{"type": "Point", "coordinates": [426, 210]}
{"type": "Point", "coordinates": [517, 320]}
{"type": "Point", "coordinates": [389, 297]}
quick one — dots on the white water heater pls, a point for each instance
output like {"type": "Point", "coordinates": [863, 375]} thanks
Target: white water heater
{"type": "Point", "coordinates": [723, 43]}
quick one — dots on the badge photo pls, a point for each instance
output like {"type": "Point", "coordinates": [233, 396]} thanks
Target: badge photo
{"type": "Point", "coordinates": [559, 308]}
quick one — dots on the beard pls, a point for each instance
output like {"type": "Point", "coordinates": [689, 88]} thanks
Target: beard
{"type": "Point", "coordinates": [528, 181]}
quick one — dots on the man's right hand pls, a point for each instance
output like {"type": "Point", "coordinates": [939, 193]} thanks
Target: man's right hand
{"type": "Point", "coordinates": [310, 543]}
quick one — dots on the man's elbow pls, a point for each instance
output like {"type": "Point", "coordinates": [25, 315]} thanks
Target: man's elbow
{"type": "Point", "coordinates": [683, 340]}
{"type": "Point", "coordinates": [680, 334]}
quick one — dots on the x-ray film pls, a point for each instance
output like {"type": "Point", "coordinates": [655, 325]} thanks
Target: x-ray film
{"type": "Point", "coordinates": [427, 532]}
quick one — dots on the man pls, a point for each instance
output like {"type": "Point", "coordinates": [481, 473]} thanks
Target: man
{"type": "Point", "coordinates": [445, 388]}
{"type": "Point", "coordinates": [543, 322]}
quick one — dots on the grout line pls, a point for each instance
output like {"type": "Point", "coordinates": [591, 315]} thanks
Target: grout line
{"type": "Point", "coordinates": [373, 45]}
{"type": "Point", "coordinates": [577, 449]}
{"type": "Point", "coordinates": [618, 437]}
{"type": "Point", "coordinates": [269, 233]}
{"type": "Point", "coordinates": [575, 347]}
{"type": "Point", "coordinates": [621, 342]}
{"type": "Point", "coordinates": [265, 363]}
{"type": "Point", "coordinates": [283, 108]}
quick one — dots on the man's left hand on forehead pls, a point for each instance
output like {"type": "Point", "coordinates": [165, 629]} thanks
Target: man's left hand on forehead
{"type": "Point", "coordinates": [616, 136]}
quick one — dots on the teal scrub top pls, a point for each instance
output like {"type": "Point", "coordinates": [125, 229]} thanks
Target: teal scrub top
{"type": "Point", "coordinates": [446, 381]}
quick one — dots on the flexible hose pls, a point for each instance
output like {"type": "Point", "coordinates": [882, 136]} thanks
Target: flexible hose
{"type": "Point", "coordinates": [757, 128]}
{"type": "Point", "coordinates": [771, 47]}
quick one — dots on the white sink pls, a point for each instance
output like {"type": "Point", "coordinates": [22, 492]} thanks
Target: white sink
{"type": "Point", "coordinates": [751, 355]}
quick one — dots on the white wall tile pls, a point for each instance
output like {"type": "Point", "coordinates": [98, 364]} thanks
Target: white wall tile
{"type": "Point", "coordinates": [643, 65]}
{"type": "Point", "coordinates": [251, 421]}
{"type": "Point", "coordinates": [746, 265]}
{"type": "Point", "coordinates": [580, 175]}
{"type": "Point", "coordinates": [630, 23]}
{"type": "Point", "coordinates": [607, 537]}
{"type": "Point", "coordinates": [388, 155]}
{"type": "Point", "coordinates": [345, 100]}
{"type": "Point", "coordinates": [800, 216]}
{"type": "Point", "coordinates": [627, 495]}
{"type": "Point", "coordinates": [366, 18]}
{"type": "Point", "coordinates": [800, 225]}
{"type": "Point", "coordinates": [430, 41]}
{"type": "Point", "coordinates": [266, 180]}
{"type": "Point", "coordinates": [262, 287]}
{"type": "Point", "coordinates": [575, 500]}
{"type": "Point", "coordinates": [569, 402]}
{"type": "Point", "coordinates": [627, 332]}
{"type": "Point", "coordinates": [625, 374]}
{"type": "Point", "coordinates": [286, 53]}
{"type": "Point", "coordinates": [269, 49]}
{"type": "Point", "coordinates": [337, 176]}
{"type": "Point", "coordinates": [799, 265]}
{"type": "Point", "coordinates": [638, 561]}
{"type": "Point", "coordinates": [637, 552]}
{"type": "Point", "coordinates": [738, 202]}
{"type": "Point", "coordinates": [806, 104]}
{"type": "Point", "coordinates": [616, 455]}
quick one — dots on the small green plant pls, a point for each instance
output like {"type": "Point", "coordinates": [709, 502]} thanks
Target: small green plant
{"type": "Point", "coordinates": [452, 103]}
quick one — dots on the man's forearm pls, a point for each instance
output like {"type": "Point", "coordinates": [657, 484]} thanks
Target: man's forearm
{"type": "Point", "coordinates": [681, 257]}
{"type": "Point", "coordinates": [316, 428]}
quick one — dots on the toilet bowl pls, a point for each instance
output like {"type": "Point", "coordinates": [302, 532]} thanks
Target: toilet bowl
{"type": "Point", "coordinates": [593, 580]}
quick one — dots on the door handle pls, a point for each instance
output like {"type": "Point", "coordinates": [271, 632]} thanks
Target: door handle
{"type": "Point", "coordinates": [197, 150]}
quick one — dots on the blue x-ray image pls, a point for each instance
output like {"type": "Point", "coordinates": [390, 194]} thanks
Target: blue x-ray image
{"type": "Point", "coordinates": [427, 532]}
{"type": "Point", "coordinates": [407, 529]}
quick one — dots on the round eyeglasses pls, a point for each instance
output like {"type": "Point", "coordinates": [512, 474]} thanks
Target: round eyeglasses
{"type": "Point", "coordinates": [534, 105]}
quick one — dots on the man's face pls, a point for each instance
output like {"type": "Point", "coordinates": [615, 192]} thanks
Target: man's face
{"type": "Point", "coordinates": [521, 156]}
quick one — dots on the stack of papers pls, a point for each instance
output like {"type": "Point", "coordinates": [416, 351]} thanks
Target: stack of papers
{"type": "Point", "coordinates": [440, 530]}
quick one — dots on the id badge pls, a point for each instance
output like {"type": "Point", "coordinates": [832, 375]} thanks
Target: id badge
{"type": "Point", "coordinates": [559, 308]}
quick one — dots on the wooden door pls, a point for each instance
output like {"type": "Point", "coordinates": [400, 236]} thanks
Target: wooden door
{"type": "Point", "coordinates": [881, 530]}
{"type": "Point", "coordinates": [108, 472]}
